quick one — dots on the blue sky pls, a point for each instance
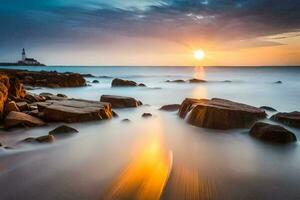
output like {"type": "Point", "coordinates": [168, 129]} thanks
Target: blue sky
{"type": "Point", "coordinates": [113, 32]}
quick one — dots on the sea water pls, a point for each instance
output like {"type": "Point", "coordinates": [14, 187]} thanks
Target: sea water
{"type": "Point", "coordinates": [193, 163]}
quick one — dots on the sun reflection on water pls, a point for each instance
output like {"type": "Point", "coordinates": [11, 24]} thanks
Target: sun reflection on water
{"type": "Point", "coordinates": [146, 176]}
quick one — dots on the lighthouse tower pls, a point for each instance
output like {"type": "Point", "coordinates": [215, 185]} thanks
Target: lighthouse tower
{"type": "Point", "coordinates": [23, 55]}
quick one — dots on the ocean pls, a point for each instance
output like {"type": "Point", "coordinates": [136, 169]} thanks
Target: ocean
{"type": "Point", "coordinates": [201, 163]}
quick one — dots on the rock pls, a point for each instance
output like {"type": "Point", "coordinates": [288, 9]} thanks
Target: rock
{"type": "Point", "coordinates": [32, 98]}
{"type": "Point", "coordinates": [145, 115]}
{"type": "Point", "coordinates": [219, 113]}
{"type": "Point", "coordinates": [23, 106]}
{"type": "Point", "coordinates": [120, 101]}
{"type": "Point", "coordinates": [142, 85]}
{"type": "Point", "coordinates": [63, 130]}
{"type": "Point", "coordinates": [14, 119]}
{"type": "Point", "coordinates": [290, 119]}
{"type": "Point", "coordinates": [170, 107]}
{"type": "Point", "coordinates": [45, 78]}
{"type": "Point", "coordinates": [175, 81]}
{"type": "Point", "coordinates": [41, 139]}
{"type": "Point", "coordinates": [122, 83]}
{"type": "Point", "coordinates": [227, 81]}
{"type": "Point", "coordinates": [194, 80]}
{"type": "Point", "coordinates": [62, 95]}
{"type": "Point", "coordinates": [126, 120]}
{"type": "Point", "coordinates": [12, 106]}
{"type": "Point", "coordinates": [272, 133]}
{"type": "Point", "coordinates": [4, 86]}
{"type": "Point", "coordinates": [268, 108]}
{"type": "Point", "coordinates": [16, 89]}
{"type": "Point", "coordinates": [87, 75]}
{"type": "Point", "coordinates": [278, 82]}
{"type": "Point", "coordinates": [74, 110]}
{"type": "Point", "coordinates": [115, 114]}
{"type": "Point", "coordinates": [95, 81]}
{"type": "Point", "coordinates": [44, 94]}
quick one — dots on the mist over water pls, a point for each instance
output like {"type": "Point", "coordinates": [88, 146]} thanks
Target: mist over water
{"type": "Point", "coordinates": [160, 156]}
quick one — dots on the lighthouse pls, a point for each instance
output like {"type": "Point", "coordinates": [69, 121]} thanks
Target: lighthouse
{"type": "Point", "coordinates": [23, 55]}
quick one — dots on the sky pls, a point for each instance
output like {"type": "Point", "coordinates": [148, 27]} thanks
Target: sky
{"type": "Point", "coordinates": [151, 32]}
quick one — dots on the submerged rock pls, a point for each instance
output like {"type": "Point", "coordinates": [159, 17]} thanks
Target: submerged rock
{"type": "Point", "coordinates": [170, 107]}
{"type": "Point", "coordinates": [278, 82]}
{"type": "Point", "coordinates": [126, 120]}
{"type": "Point", "coordinates": [41, 139]}
{"type": "Point", "coordinates": [120, 101]}
{"type": "Point", "coordinates": [123, 83]}
{"type": "Point", "coordinates": [74, 110]}
{"type": "Point", "coordinates": [268, 108]}
{"type": "Point", "coordinates": [219, 113]}
{"type": "Point", "coordinates": [272, 133]}
{"type": "Point", "coordinates": [290, 119]}
{"type": "Point", "coordinates": [95, 81]}
{"type": "Point", "coordinates": [15, 119]}
{"type": "Point", "coordinates": [62, 95]}
{"type": "Point", "coordinates": [175, 81]}
{"type": "Point", "coordinates": [194, 80]}
{"type": "Point", "coordinates": [145, 115]}
{"type": "Point", "coordinates": [63, 130]}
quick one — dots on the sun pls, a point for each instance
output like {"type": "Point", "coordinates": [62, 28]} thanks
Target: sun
{"type": "Point", "coordinates": [199, 54]}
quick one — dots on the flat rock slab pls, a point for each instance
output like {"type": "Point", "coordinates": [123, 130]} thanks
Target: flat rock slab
{"type": "Point", "coordinates": [14, 119]}
{"type": "Point", "coordinates": [120, 101]}
{"type": "Point", "coordinates": [290, 119]}
{"type": "Point", "coordinates": [123, 83]}
{"type": "Point", "coordinates": [272, 133]}
{"type": "Point", "coordinates": [74, 110]}
{"type": "Point", "coordinates": [219, 113]}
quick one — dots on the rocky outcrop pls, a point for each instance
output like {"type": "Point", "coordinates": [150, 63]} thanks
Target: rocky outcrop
{"type": "Point", "coordinates": [290, 119]}
{"type": "Point", "coordinates": [74, 110]}
{"type": "Point", "coordinates": [15, 119]}
{"type": "Point", "coordinates": [12, 106]}
{"type": "Point", "coordinates": [50, 79]}
{"type": "Point", "coordinates": [4, 86]}
{"type": "Point", "coordinates": [23, 106]}
{"type": "Point", "coordinates": [272, 133]}
{"type": "Point", "coordinates": [170, 107]}
{"type": "Point", "coordinates": [219, 113]}
{"type": "Point", "coordinates": [63, 130]}
{"type": "Point", "coordinates": [120, 101]}
{"type": "Point", "coordinates": [123, 83]}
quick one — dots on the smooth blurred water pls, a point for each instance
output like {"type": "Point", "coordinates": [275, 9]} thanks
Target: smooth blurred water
{"type": "Point", "coordinates": [216, 164]}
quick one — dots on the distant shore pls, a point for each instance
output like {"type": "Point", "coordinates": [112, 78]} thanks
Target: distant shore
{"type": "Point", "coordinates": [20, 64]}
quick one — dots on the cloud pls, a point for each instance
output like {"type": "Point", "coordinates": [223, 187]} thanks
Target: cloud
{"type": "Point", "coordinates": [38, 22]}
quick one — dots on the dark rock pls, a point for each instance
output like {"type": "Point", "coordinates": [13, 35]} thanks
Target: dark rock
{"type": "Point", "coordinates": [194, 80]}
{"type": "Point", "coordinates": [115, 114]}
{"type": "Point", "coordinates": [272, 133]}
{"type": "Point", "coordinates": [145, 115]}
{"type": "Point", "coordinates": [170, 107]}
{"type": "Point", "coordinates": [120, 101]}
{"type": "Point", "coordinates": [142, 85]}
{"type": "Point", "coordinates": [23, 106]}
{"type": "Point", "coordinates": [126, 120]}
{"type": "Point", "coordinates": [268, 108]}
{"type": "Point", "coordinates": [63, 130]}
{"type": "Point", "coordinates": [290, 119]}
{"type": "Point", "coordinates": [278, 82]}
{"type": "Point", "coordinates": [41, 139]}
{"type": "Point", "coordinates": [123, 83]}
{"type": "Point", "coordinates": [88, 75]}
{"type": "Point", "coordinates": [62, 95]}
{"type": "Point", "coordinates": [219, 113]}
{"type": "Point", "coordinates": [32, 98]}
{"type": "Point", "coordinates": [14, 119]}
{"type": "Point", "coordinates": [74, 110]}
{"type": "Point", "coordinates": [95, 81]}
{"type": "Point", "coordinates": [175, 81]}
{"type": "Point", "coordinates": [227, 81]}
